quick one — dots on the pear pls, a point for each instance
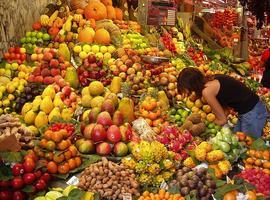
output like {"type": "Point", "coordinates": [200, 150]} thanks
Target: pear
{"type": "Point", "coordinates": [49, 91]}
{"type": "Point", "coordinates": [30, 117]}
{"type": "Point", "coordinates": [66, 114]}
{"type": "Point", "coordinates": [26, 107]}
{"type": "Point", "coordinates": [86, 101]}
{"type": "Point", "coordinates": [36, 103]}
{"type": "Point", "coordinates": [41, 119]}
{"type": "Point", "coordinates": [126, 107]}
{"type": "Point", "coordinates": [57, 102]}
{"type": "Point", "coordinates": [46, 105]}
{"type": "Point", "coordinates": [54, 114]}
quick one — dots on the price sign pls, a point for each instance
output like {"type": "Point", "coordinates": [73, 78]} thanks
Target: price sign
{"type": "Point", "coordinates": [164, 185]}
{"type": "Point", "coordinates": [127, 196]}
{"type": "Point", "coordinates": [73, 181]}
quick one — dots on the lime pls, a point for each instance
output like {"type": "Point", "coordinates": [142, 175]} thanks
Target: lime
{"type": "Point", "coordinates": [173, 111]}
{"type": "Point", "coordinates": [180, 111]}
{"type": "Point", "coordinates": [217, 127]}
{"type": "Point", "coordinates": [211, 126]}
{"type": "Point", "coordinates": [185, 113]}
{"type": "Point", "coordinates": [177, 117]}
{"type": "Point", "coordinates": [213, 131]}
{"type": "Point", "coordinates": [23, 40]}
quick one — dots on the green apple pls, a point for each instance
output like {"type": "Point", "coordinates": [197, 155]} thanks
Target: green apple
{"type": "Point", "coordinates": [40, 35]}
{"type": "Point", "coordinates": [28, 34]}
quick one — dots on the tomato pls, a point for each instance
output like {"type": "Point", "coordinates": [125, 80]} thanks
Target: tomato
{"type": "Point", "coordinates": [12, 56]}
{"type": "Point", "coordinates": [18, 195]}
{"type": "Point", "coordinates": [17, 183]}
{"type": "Point", "coordinates": [23, 56]}
{"type": "Point", "coordinates": [4, 184]}
{"type": "Point", "coordinates": [6, 55]}
{"type": "Point", "coordinates": [46, 177]}
{"type": "Point", "coordinates": [5, 195]}
{"type": "Point", "coordinates": [17, 169]}
{"type": "Point", "coordinates": [11, 50]}
{"type": "Point", "coordinates": [31, 156]}
{"type": "Point", "coordinates": [40, 185]}
{"type": "Point", "coordinates": [29, 178]}
{"type": "Point", "coordinates": [29, 165]}
{"type": "Point", "coordinates": [38, 174]}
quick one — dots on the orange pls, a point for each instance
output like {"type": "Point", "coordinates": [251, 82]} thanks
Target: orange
{"type": "Point", "coordinates": [251, 195]}
{"type": "Point", "coordinates": [63, 168]}
{"type": "Point", "coordinates": [258, 154]}
{"type": "Point", "coordinates": [49, 155]}
{"type": "Point", "coordinates": [50, 145]}
{"type": "Point", "coordinates": [266, 165]}
{"type": "Point", "coordinates": [63, 132]}
{"type": "Point", "coordinates": [78, 161]}
{"type": "Point", "coordinates": [58, 158]}
{"type": "Point", "coordinates": [73, 150]}
{"type": "Point", "coordinates": [249, 140]}
{"type": "Point", "coordinates": [210, 117]}
{"type": "Point", "coordinates": [145, 194]}
{"type": "Point", "coordinates": [72, 163]}
{"type": "Point", "coordinates": [47, 134]}
{"type": "Point", "coordinates": [57, 137]}
{"type": "Point", "coordinates": [52, 167]}
{"type": "Point", "coordinates": [43, 143]}
{"type": "Point", "coordinates": [252, 152]}
{"type": "Point", "coordinates": [266, 155]}
{"type": "Point", "coordinates": [68, 155]}
{"type": "Point", "coordinates": [195, 109]}
{"type": "Point", "coordinates": [247, 166]}
{"type": "Point", "coordinates": [258, 162]}
{"type": "Point", "coordinates": [230, 195]}
{"type": "Point", "coordinates": [267, 171]}
{"type": "Point", "coordinates": [250, 161]}
{"type": "Point", "coordinates": [64, 144]}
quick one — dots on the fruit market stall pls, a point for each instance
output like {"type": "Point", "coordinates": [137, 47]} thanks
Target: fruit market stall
{"type": "Point", "coordinates": [89, 110]}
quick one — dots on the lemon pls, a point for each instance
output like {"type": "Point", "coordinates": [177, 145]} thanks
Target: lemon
{"type": "Point", "coordinates": [86, 48]}
{"type": "Point", "coordinates": [11, 97]}
{"type": "Point", "coordinates": [33, 129]}
{"type": "Point", "coordinates": [2, 71]}
{"type": "Point", "coordinates": [8, 66]}
{"type": "Point", "coordinates": [21, 75]}
{"type": "Point", "coordinates": [111, 49]}
{"type": "Point", "coordinates": [83, 55]}
{"type": "Point", "coordinates": [77, 49]}
{"type": "Point", "coordinates": [95, 48]}
{"type": "Point", "coordinates": [21, 88]}
{"type": "Point", "coordinates": [6, 102]}
{"type": "Point", "coordinates": [14, 66]}
{"type": "Point", "coordinates": [1, 95]}
{"type": "Point", "coordinates": [103, 49]}
{"type": "Point", "coordinates": [1, 111]}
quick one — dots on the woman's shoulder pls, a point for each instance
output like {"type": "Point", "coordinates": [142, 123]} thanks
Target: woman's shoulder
{"type": "Point", "coordinates": [211, 87]}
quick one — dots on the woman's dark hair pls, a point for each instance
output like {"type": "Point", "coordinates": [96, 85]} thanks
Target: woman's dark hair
{"type": "Point", "coordinates": [190, 80]}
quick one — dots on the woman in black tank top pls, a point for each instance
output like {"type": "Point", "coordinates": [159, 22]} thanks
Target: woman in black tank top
{"type": "Point", "coordinates": [222, 92]}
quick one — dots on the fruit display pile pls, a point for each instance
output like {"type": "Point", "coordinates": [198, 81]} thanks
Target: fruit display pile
{"type": "Point", "coordinates": [89, 99]}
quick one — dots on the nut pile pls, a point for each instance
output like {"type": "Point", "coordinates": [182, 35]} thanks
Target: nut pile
{"type": "Point", "coordinates": [196, 183]}
{"type": "Point", "coordinates": [109, 179]}
{"type": "Point", "coordinates": [10, 125]}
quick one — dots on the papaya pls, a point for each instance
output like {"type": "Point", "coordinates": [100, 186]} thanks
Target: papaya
{"type": "Point", "coordinates": [115, 86]}
{"type": "Point", "coordinates": [72, 77]}
{"type": "Point", "coordinates": [126, 107]}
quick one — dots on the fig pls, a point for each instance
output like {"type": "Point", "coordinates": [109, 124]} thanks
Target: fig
{"type": "Point", "coordinates": [192, 184]}
{"type": "Point", "coordinates": [202, 192]}
{"type": "Point", "coordinates": [184, 191]}
{"type": "Point", "coordinates": [186, 169]}
{"type": "Point", "coordinates": [194, 193]}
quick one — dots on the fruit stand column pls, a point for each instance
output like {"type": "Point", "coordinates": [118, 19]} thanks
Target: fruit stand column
{"type": "Point", "coordinates": [17, 17]}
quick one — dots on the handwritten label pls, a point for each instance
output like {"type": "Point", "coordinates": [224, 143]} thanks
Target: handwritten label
{"type": "Point", "coordinates": [127, 196]}
{"type": "Point", "coordinates": [164, 185]}
{"type": "Point", "coordinates": [240, 167]}
{"type": "Point", "coordinates": [73, 181]}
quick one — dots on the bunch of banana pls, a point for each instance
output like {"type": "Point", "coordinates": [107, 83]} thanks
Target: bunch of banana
{"type": "Point", "coordinates": [44, 20]}
{"type": "Point", "coordinates": [52, 18]}
{"type": "Point", "coordinates": [112, 29]}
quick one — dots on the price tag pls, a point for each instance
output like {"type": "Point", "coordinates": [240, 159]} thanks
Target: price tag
{"type": "Point", "coordinates": [240, 167]}
{"type": "Point", "coordinates": [73, 181]}
{"type": "Point", "coordinates": [205, 57]}
{"type": "Point", "coordinates": [164, 185]}
{"type": "Point", "coordinates": [213, 197]}
{"type": "Point", "coordinates": [202, 165]}
{"type": "Point", "coordinates": [127, 196]}
{"type": "Point", "coordinates": [267, 143]}
{"type": "Point", "coordinates": [228, 180]}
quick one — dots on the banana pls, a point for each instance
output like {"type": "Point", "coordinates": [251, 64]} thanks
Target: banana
{"type": "Point", "coordinates": [52, 18]}
{"type": "Point", "coordinates": [44, 20]}
{"type": "Point", "coordinates": [67, 25]}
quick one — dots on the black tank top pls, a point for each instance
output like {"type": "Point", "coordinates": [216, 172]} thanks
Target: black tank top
{"type": "Point", "coordinates": [236, 95]}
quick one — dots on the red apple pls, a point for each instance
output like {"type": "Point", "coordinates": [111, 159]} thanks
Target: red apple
{"type": "Point", "coordinates": [55, 72]}
{"type": "Point", "coordinates": [66, 90]}
{"type": "Point", "coordinates": [98, 133]}
{"type": "Point", "coordinates": [87, 132]}
{"type": "Point", "coordinates": [120, 149]}
{"type": "Point", "coordinates": [47, 56]}
{"type": "Point", "coordinates": [108, 106]}
{"type": "Point", "coordinates": [104, 119]}
{"type": "Point", "coordinates": [113, 134]}
{"type": "Point", "coordinates": [93, 114]}
{"type": "Point", "coordinates": [125, 133]}
{"type": "Point", "coordinates": [91, 58]}
{"type": "Point", "coordinates": [118, 118]}
{"type": "Point", "coordinates": [103, 149]}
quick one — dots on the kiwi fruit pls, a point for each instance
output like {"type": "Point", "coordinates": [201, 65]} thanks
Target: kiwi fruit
{"type": "Point", "coordinates": [187, 125]}
{"type": "Point", "coordinates": [195, 118]}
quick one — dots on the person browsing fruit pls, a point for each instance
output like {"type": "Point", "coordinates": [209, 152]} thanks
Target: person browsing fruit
{"type": "Point", "coordinates": [265, 60]}
{"type": "Point", "coordinates": [222, 92]}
